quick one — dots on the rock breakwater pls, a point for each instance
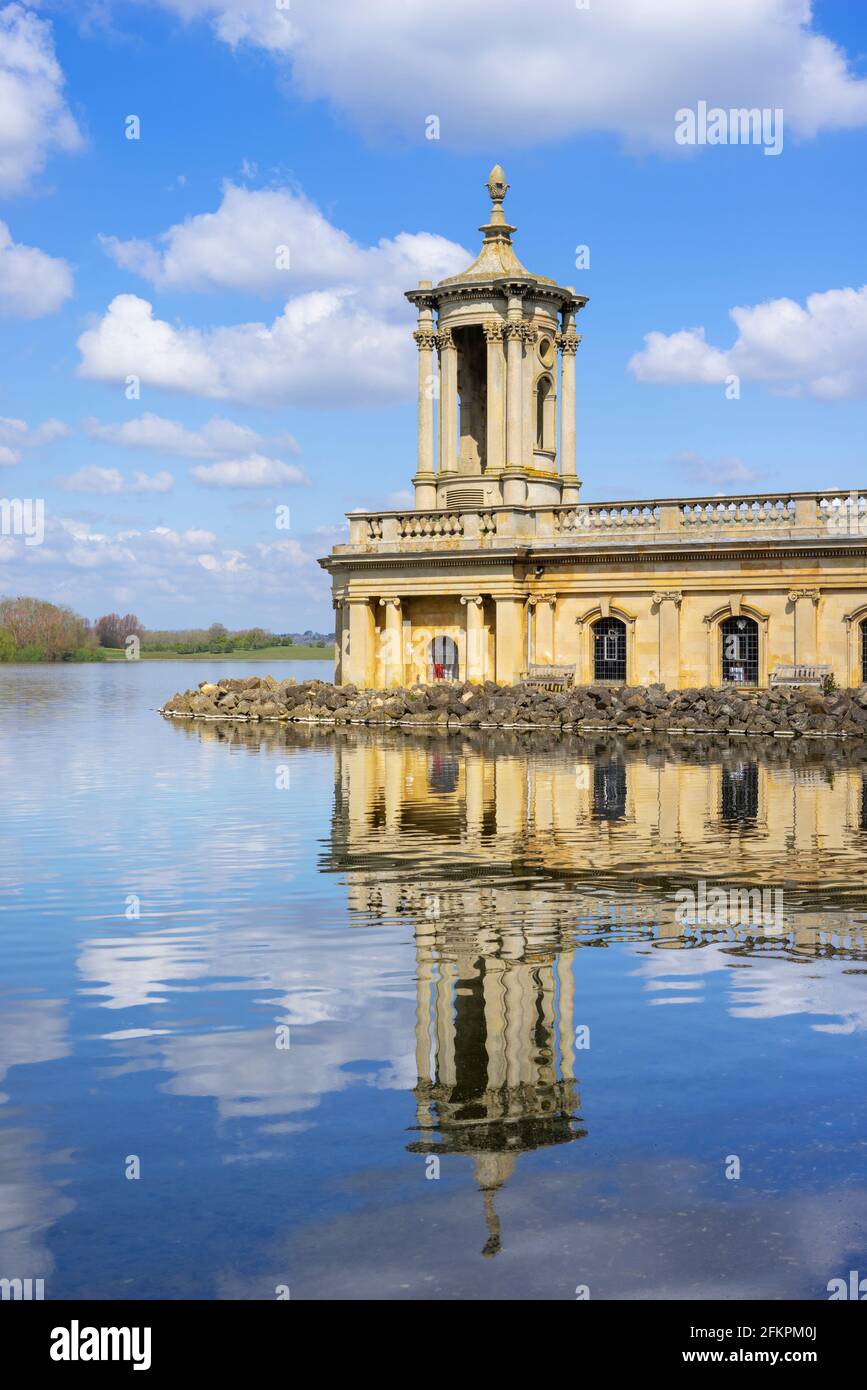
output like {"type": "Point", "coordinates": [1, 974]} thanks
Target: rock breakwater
{"type": "Point", "coordinates": [454, 706]}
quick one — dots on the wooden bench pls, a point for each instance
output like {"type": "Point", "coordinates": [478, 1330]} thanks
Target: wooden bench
{"type": "Point", "coordinates": [800, 674]}
{"type": "Point", "coordinates": [549, 677]}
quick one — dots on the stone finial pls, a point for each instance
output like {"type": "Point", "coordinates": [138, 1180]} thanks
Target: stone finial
{"type": "Point", "coordinates": [497, 226]}
{"type": "Point", "coordinates": [497, 186]}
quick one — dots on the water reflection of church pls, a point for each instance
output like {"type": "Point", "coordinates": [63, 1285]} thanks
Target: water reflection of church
{"type": "Point", "coordinates": [495, 1055]}
{"type": "Point", "coordinates": [461, 840]}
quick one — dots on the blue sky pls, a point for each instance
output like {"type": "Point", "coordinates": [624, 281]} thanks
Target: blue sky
{"type": "Point", "coordinates": [305, 126]}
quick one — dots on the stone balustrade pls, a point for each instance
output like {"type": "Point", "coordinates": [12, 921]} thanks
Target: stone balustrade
{"type": "Point", "coordinates": [790, 514]}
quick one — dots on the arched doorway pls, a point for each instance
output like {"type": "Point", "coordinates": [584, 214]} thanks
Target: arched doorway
{"type": "Point", "coordinates": [740, 651]}
{"type": "Point", "coordinates": [609, 650]}
{"type": "Point", "coordinates": [442, 655]}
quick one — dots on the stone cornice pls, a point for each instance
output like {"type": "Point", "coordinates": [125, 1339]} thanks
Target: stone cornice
{"type": "Point", "coordinates": [628, 555]}
{"type": "Point", "coordinates": [526, 286]}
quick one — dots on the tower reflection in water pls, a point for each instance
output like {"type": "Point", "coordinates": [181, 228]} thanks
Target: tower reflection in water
{"type": "Point", "coordinates": [495, 1053]}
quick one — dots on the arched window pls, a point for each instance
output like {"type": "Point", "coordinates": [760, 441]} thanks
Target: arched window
{"type": "Point", "coordinates": [543, 391]}
{"type": "Point", "coordinates": [864, 651]}
{"type": "Point", "coordinates": [546, 416]}
{"type": "Point", "coordinates": [740, 793]}
{"type": "Point", "coordinates": [609, 650]}
{"type": "Point", "coordinates": [609, 791]}
{"type": "Point", "coordinates": [740, 651]}
{"type": "Point", "coordinates": [442, 655]}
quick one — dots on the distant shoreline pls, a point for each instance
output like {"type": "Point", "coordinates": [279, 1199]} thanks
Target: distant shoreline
{"type": "Point", "coordinates": [297, 653]}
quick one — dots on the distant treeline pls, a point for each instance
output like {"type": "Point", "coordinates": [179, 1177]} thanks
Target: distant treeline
{"type": "Point", "coordinates": [33, 630]}
{"type": "Point", "coordinates": [215, 638]}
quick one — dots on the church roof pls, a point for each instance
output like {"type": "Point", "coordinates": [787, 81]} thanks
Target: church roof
{"type": "Point", "coordinates": [496, 265]}
{"type": "Point", "coordinates": [497, 259]}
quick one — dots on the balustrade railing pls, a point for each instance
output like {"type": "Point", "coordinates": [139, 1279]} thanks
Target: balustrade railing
{"type": "Point", "coordinates": [831, 513]}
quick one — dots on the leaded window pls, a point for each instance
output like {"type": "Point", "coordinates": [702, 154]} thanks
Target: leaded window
{"type": "Point", "coordinates": [609, 650]}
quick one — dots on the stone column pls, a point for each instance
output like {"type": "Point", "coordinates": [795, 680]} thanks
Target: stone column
{"type": "Point", "coordinates": [514, 331]}
{"type": "Point", "coordinates": [392, 651]}
{"type": "Point", "coordinates": [448, 401]}
{"type": "Point", "coordinates": [393, 784]}
{"type": "Point", "coordinates": [543, 630]}
{"type": "Point", "coordinates": [424, 977]}
{"type": "Point", "coordinates": [566, 1022]}
{"type": "Point", "coordinates": [426, 338]}
{"type": "Point", "coordinates": [668, 603]}
{"type": "Point", "coordinates": [806, 605]}
{"type": "Point", "coordinates": [511, 647]}
{"type": "Point", "coordinates": [344, 643]}
{"type": "Point", "coordinates": [338, 640]}
{"type": "Point", "coordinates": [475, 794]}
{"type": "Point", "coordinates": [496, 398]}
{"type": "Point", "coordinates": [475, 664]}
{"type": "Point", "coordinates": [359, 658]}
{"type": "Point", "coordinates": [568, 341]}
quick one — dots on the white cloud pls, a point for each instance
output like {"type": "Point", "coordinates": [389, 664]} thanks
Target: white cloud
{"type": "Point", "coordinates": [102, 481]}
{"type": "Point", "coordinates": [106, 482]}
{"type": "Point", "coordinates": [527, 73]}
{"type": "Point", "coordinates": [231, 562]}
{"type": "Point", "coordinates": [255, 471]}
{"type": "Point", "coordinates": [34, 117]}
{"type": "Point", "coordinates": [342, 339]}
{"type": "Point", "coordinates": [152, 482]}
{"type": "Point", "coordinates": [243, 245]}
{"type": "Point", "coordinates": [172, 577]}
{"type": "Point", "coordinates": [218, 438]}
{"type": "Point", "coordinates": [818, 349]}
{"type": "Point", "coordinates": [267, 24]}
{"type": "Point", "coordinates": [129, 340]}
{"type": "Point", "coordinates": [718, 470]}
{"type": "Point", "coordinates": [16, 435]}
{"type": "Point", "coordinates": [323, 349]}
{"type": "Point", "coordinates": [682, 356]}
{"type": "Point", "coordinates": [32, 283]}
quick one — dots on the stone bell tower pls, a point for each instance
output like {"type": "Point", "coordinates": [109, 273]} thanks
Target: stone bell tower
{"type": "Point", "coordinates": [488, 410]}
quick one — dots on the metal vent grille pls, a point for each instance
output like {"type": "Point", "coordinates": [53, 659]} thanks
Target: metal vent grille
{"type": "Point", "coordinates": [465, 497]}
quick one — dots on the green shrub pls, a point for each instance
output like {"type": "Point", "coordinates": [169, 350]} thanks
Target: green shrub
{"type": "Point", "coordinates": [87, 654]}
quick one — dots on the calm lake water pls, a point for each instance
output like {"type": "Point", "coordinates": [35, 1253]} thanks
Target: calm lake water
{"type": "Point", "coordinates": [391, 1017]}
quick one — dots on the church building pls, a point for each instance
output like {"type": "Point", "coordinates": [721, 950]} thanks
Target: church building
{"type": "Point", "coordinates": [500, 569]}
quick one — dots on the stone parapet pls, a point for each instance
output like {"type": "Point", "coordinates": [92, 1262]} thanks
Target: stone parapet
{"type": "Point", "coordinates": [784, 516]}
